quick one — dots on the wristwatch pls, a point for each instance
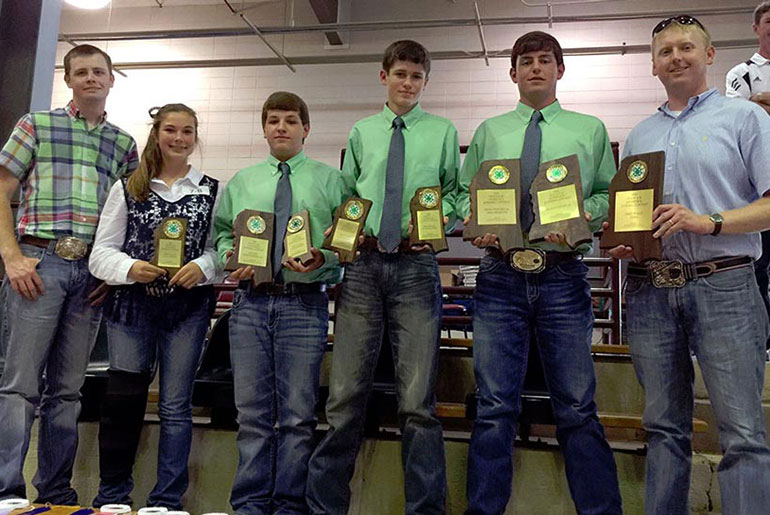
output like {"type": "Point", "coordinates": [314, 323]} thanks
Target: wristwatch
{"type": "Point", "coordinates": [717, 219]}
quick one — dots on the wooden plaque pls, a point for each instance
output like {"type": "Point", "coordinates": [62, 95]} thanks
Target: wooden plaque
{"type": "Point", "coordinates": [495, 196]}
{"type": "Point", "coordinates": [297, 242]}
{"type": "Point", "coordinates": [557, 202]}
{"type": "Point", "coordinates": [635, 191]}
{"type": "Point", "coordinates": [428, 219]}
{"type": "Point", "coordinates": [349, 219]}
{"type": "Point", "coordinates": [170, 237]}
{"type": "Point", "coordinates": [253, 244]}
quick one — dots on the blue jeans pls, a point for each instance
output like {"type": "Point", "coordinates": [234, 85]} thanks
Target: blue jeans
{"type": "Point", "coordinates": [136, 349]}
{"type": "Point", "coordinates": [557, 304]}
{"type": "Point", "coordinates": [53, 335]}
{"type": "Point", "coordinates": [722, 319]}
{"type": "Point", "coordinates": [400, 293]}
{"type": "Point", "coordinates": [277, 343]}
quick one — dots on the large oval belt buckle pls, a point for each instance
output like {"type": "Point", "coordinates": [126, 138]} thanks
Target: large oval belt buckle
{"type": "Point", "coordinates": [71, 248]}
{"type": "Point", "coordinates": [529, 261]}
{"type": "Point", "coordinates": [667, 274]}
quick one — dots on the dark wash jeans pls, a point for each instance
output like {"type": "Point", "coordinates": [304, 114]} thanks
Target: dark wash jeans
{"type": "Point", "coordinates": [557, 302]}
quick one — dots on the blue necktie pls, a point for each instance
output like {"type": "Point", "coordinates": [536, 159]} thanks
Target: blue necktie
{"type": "Point", "coordinates": [390, 223]}
{"type": "Point", "coordinates": [530, 162]}
{"type": "Point", "coordinates": [282, 210]}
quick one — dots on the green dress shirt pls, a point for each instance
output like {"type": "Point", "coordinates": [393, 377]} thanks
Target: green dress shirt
{"type": "Point", "coordinates": [432, 158]}
{"type": "Point", "coordinates": [314, 186]}
{"type": "Point", "coordinates": [563, 133]}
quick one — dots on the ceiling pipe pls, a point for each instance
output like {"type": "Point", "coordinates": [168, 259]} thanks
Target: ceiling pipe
{"type": "Point", "coordinates": [261, 36]}
{"type": "Point", "coordinates": [376, 58]}
{"type": "Point", "coordinates": [394, 25]}
{"type": "Point", "coordinates": [481, 34]}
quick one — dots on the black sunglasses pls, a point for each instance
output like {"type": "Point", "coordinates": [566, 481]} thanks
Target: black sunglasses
{"type": "Point", "coordinates": [682, 19]}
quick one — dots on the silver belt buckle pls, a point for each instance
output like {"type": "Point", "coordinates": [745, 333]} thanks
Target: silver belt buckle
{"type": "Point", "coordinates": [667, 274]}
{"type": "Point", "coordinates": [529, 261]}
{"type": "Point", "coordinates": [71, 248]}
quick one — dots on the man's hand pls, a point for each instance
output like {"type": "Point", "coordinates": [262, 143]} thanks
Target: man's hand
{"type": "Point", "coordinates": [239, 274]}
{"type": "Point", "coordinates": [22, 274]}
{"type": "Point", "coordinates": [144, 272]}
{"type": "Point", "coordinates": [482, 242]}
{"type": "Point", "coordinates": [98, 294]}
{"type": "Point", "coordinates": [295, 265]}
{"type": "Point", "coordinates": [670, 219]}
{"type": "Point", "coordinates": [188, 276]}
{"type": "Point", "coordinates": [761, 98]}
{"type": "Point", "coordinates": [621, 251]}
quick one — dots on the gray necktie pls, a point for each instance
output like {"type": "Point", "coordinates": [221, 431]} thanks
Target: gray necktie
{"type": "Point", "coordinates": [390, 224]}
{"type": "Point", "coordinates": [530, 162]}
{"type": "Point", "coordinates": [282, 210]}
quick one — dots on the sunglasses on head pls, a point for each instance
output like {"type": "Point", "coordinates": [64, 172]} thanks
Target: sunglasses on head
{"type": "Point", "coordinates": [683, 19]}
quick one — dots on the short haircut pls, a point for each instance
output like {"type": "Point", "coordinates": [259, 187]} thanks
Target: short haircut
{"type": "Point", "coordinates": [285, 101]}
{"type": "Point", "coordinates": [84, 51]}
{"type": "Point", "coordinates": [690, 27]}
{"type": "Point", "coordinates": [760, 11]}
{"type": "Point", "coordinates": [536, 41]}
{"type": "Point", "coordinates": [406, 50]}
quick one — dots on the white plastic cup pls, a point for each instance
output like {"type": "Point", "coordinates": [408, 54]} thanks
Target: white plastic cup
{"type": "Point", "coordinates": [152, 510]}
{"type": "Point", "coordinates": [13, 504]}
{"type": "Point", "coordinates": [115, 509]}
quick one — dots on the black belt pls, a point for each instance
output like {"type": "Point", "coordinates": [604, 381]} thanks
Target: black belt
{"type": "Point", "coordinates": [404, 247]}
{"type": "Point", "coordinates": [674, 274]}
{"type": "Point", "coordinates": [281, 288]}
{"type": "Point", "coordinates": [532, 260]}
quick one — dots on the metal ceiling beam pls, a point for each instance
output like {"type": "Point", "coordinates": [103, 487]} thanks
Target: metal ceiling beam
{"type": "Point", "coordinates": [393, 25]}
{"type": "Point", "coordinates": [326, 12]}
{"type": "Point", "coordinates": [375, 58]}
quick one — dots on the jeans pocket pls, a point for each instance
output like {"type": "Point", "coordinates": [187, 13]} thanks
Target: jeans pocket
{"type": "Point", "coordinates": [731, 280]}
{"type": "Point", "coordinates": [489, 264]}
{"type": "Point", "coordinates": [314, 301]}
{"type": "Point", "coordinates": [634, 285]}
{"type": "Point", "coordinates": [238, 297]}
{"type": "Point", "coordinates": [31, 251]}
{"type": "Point", "coordinates": [572, 269]}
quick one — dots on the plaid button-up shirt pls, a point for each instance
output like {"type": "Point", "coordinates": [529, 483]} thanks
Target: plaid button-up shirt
{"type": "Point", "coordinates": [65, 170]}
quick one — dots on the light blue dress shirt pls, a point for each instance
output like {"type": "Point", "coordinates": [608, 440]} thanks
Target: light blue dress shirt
{"type": "Point", "coordinates": [717, 159]}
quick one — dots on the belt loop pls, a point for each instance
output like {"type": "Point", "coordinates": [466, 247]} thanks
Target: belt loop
{"type": "Point", "coordinates": [51, 249]}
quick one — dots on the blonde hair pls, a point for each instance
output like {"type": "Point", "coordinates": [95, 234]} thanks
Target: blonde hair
{"type": "Point", "coordinates": [138, 184]}
{"type": "Point", "coordinates": [675, 25]}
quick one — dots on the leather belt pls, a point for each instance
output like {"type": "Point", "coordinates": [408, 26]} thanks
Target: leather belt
{"type": "Point", "coordinates": [533, 261]}
{"type": "Point", "coordinates": [69, 247]}
{"type": "Point", "coordinates": [675, 274]}
{"type": "Point", "coordinates": [281, 288]}
{"type": "Point", "coordinates": [404, 247]}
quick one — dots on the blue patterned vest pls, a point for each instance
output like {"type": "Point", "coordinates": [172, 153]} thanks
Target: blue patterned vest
{"type": "Point", "coordinates": [130, 304]}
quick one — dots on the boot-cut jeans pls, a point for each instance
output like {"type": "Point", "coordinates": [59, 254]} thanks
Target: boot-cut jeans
{"type": "Point", "coordinates": [399, 293]}
{"type": "Point", "coordinates": [277, 344]}
{"type": "Point", "coordinates": [722, 320]}
{"type": "Point", "coordinates": [177, 352]}
{"type": "Point", "coordinates": [49, 342]}
{"type": "Point", "coordinates": [557, 303]}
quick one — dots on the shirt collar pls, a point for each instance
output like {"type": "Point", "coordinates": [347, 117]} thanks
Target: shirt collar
{"type": "Point", "coordinates": [759, 60]}
{"type": "Point", "coordinates": [549, 112]}
{"type": "Point", "coordinates": [409, 118]}
{"type": "Point", "coordinates": [73, 111]}
{"type": "Point", "coordinates": [294, 163]}
{"type": "Point", "coordinates": [694, 102]}
{"type": "Point", "coordinates": [193, 176]}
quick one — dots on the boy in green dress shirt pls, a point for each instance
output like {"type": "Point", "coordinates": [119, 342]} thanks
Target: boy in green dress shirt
{"type": "Point", "coordinates": [278, 331]}
{"type": "Point", "coordinates": [553, 304]}
{"type": "Point", "coordinates": [390, 287]}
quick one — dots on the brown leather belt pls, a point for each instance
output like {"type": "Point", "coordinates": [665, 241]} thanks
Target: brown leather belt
{"type": "Point", "coordinates": [68, 247]}
{"type": "Point", "coordinates": [532, 260]}
{"type": "Point", "coordinates": [675, 274]}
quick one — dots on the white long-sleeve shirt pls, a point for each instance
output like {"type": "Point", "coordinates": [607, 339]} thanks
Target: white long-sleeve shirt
{"type": "Point", "coordinates": [109, 263]}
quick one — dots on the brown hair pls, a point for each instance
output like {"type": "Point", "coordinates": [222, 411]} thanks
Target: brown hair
{"type": "Point", "coordinates": [406, 50]}
{"type": "Point", "coordinates": [286, 101]}
{"type": "Point", "coordinates": [536, 41]}
{"type": "Point", "coordinates": [83, 51]}
{"type": "Point", "coordinates": [760, 11]}
{"type": "Point", "coordinates": [138, 184]}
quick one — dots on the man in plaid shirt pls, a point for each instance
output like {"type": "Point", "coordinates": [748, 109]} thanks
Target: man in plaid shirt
{"type": "Point", "coordinates": [65, 161]}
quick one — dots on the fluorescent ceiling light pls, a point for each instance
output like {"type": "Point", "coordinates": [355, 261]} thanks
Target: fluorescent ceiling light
{"type": "Point", "coordinates": [88, 4]}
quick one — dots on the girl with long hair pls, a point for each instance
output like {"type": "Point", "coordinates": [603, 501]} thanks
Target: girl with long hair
{"type": "Point", "coordinates": [152, 318]}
